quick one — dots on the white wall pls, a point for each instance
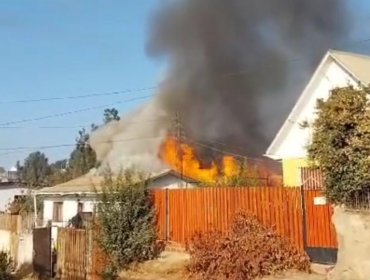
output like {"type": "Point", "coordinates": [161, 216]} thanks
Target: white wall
{"type": "Point", "coordinates": [295, 143]}
{"type": "Point", "coordinates": [24, 253]}
{"type": "Point", "coordinates": [7, 195]}
{"type": "Point", "coordinates": [170, 182]}
{"type": "Point", "coordinates": [70, 208]}
{"type": "Point", "coordinates": [5, 240]}
{"type": "Point", "coordinates": [25, 249]}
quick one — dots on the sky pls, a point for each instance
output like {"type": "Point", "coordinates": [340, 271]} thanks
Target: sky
{"type": "Point", "coordinates": [68, 48]}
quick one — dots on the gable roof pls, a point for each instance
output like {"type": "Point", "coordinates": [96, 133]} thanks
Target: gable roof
{"type": "Point", "coordinates": [356, 65]}
{"type": "Point", "coordinates": [88, 184]}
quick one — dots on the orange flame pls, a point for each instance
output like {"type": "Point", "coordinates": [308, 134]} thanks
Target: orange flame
{"type": "Point", "coordinates": [181, 157]}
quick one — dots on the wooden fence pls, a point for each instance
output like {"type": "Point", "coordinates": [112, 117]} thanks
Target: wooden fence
{"type": "Point", "coordinates": [72, 254]}
{"type": "Point", "coordinates": [320, 231]}
{"type": "Point", "coordinates": [182, 213]}
{"type": "Point", "coordinates": [291, 211]}
{"type": "Point", "coordinates": [79, 255]}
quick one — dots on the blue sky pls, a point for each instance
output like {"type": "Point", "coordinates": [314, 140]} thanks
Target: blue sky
{"type": "Point", "coordinates": [68, 48]}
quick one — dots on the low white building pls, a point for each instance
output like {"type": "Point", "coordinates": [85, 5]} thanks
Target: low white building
{"type": "Point", "coordinates": [8, 192]}
{"type": "Point", "coordinates": [62, 202]}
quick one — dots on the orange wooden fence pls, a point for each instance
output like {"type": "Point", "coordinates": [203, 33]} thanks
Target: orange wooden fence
{"type": "Point", "coordinates": [320, 231]}
{"type": "Point", "coordinates": [182, 213]}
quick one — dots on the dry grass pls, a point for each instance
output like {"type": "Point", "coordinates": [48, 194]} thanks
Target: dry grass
{"type": "Point", "coordinates": [170, 266]}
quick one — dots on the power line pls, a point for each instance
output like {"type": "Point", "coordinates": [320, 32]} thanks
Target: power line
{"type": "Point", "coordinates": [73, 112]}
{"type": "Point", "coordinates": [23, 149]}
{"type": "Point", "coordinates": [79, 96]}
{"type": "Point", "coordinates": [78, 126]}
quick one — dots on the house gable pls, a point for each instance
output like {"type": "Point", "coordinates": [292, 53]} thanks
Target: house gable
{"type": "Point", "coordinates": [333, 71]}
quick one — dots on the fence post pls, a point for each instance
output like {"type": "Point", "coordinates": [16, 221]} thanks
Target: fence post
{"type": "Point", "coordinates": [167, 216]}
{"type": "Point", "coordinates": [304, 219]}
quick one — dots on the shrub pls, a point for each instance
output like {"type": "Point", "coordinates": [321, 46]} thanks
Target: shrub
{"type": "Point", "coordinates": [6, 266]}
{"type": "Point", "coordinates": [341, 144]}
{"type": "Point", "coordinates": [127, 219]}
{"type": "Point", "coordinates": [248, 251]}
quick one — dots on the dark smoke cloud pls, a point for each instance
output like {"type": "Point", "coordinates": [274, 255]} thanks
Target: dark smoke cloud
{"type": "Point", "coordinates": [230, 70]}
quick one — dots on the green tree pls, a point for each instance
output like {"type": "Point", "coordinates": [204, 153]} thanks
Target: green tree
{"type": "Point", "coordinates": [83, 157]}
{"type": "Point", "coordinates": [341, 143]}
{"type": "Point", "coordinates": [35, 170]}
{"type": "Point", "coordinates": [111, 115]}
{"type": "Point", "coordinates": [127, 219]}
{"type": "Point", "coordinates": [2, 170]}
{"type": "Point", "coordinates": [59, 172]}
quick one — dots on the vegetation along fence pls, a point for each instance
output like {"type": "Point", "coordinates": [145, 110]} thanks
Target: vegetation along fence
{"type": "Point", "coordinates": [300, 215]}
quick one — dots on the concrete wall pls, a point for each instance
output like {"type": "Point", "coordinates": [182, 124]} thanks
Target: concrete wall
{"type": "Point", "coordinates": [20, 246]}
{"type": "Point", "coordinates": [353, 231]}
{"type": "Point", "coordinates": [295, 142]}
{"type": "Point", "coordinates": [25, 249]}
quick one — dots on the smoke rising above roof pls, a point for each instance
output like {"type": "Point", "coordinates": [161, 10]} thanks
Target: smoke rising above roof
{"type": "Point", "coordinates": [232, 73]}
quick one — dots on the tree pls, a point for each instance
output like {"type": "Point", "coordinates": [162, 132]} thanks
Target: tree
{"type": "Point", "coordinates": [83, 157]}
{"type": "Point", "coordinates": [59, 172]}
{"type": "Point", "coordinates": [2, 170]}
{"type": "Point", "coordinates": [111, 115]}
{"type": "Point", "coordinates": [35, 170]}
{"type": "Point", "coordinates": [341, 143]}
{"type": "Point", "coordinates": [127, 219]}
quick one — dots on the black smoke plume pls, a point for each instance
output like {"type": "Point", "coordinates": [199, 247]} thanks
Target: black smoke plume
{"type": "Point", "coordinates": [233, 73]}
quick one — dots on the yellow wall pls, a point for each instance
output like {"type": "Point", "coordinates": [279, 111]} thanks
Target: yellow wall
{"type": "Point", "coordinates": [291, 171]}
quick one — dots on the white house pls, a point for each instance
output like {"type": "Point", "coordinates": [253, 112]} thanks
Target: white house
{"type": "Point", "coordinates": [8, 192]}
{"type": "Point", "coordinates": [62, 202]}
{"type": "Point", "coordinates": [337, 69]}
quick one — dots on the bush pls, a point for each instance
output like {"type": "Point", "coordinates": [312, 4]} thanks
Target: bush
{"type": "Point", "coordinates": [248, 251]}
{"type": "Point", "coordinates": [341, 144]}
{"type": "Point", "coordinates": [127, 220]}
{"type": "Point", "coordinates": [6, 266]}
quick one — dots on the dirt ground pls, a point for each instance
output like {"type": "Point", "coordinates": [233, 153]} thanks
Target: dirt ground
{"type": "Point", "coordinates": [171, 267]}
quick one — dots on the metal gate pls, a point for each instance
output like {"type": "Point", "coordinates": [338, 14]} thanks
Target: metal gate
{"type": "Point", "coordinates": [42, 256]}
{"type": "Point", "coordinates": [320, 239]}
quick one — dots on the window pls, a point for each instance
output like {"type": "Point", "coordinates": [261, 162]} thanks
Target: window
{"type": "Point", "coordinates": [80, 208]}
{"type": "Point", "coordinates": [58, 212]}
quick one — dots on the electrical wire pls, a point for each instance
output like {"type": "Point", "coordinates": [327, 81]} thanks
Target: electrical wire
{"type": "Point", "coordinates": [23, 149]}
{"type": "Point", "coordinates": [78, 126]}
{"type": "Point", "coordinates": [73, 112]}
{"type": "Point", "coordinates": [79, 96]}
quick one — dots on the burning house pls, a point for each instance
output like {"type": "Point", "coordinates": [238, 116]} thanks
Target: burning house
{"type": "Point", "coordinates": [232, 75]}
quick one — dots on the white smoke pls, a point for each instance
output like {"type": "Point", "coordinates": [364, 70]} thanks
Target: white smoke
{"type": "Point", "coordinates": [134, 141]}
